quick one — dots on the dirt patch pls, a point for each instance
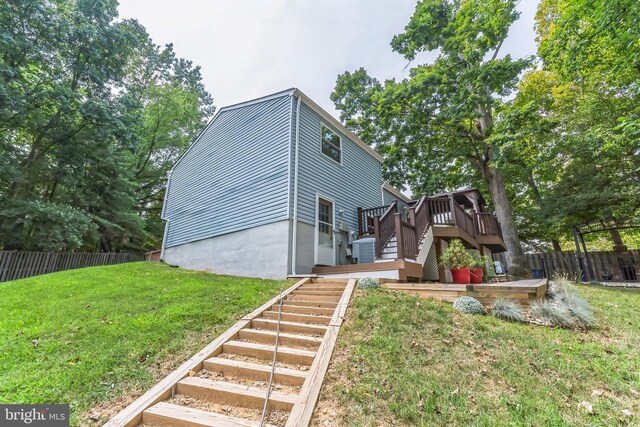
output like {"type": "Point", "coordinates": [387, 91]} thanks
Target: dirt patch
{"type": "Point", "coordinates": [275, 417]}
{"type": "Point", "coordinates": [306, 334]}
{"type": "Point", "coordinates": [220, 376]}
{"type": "Point", "coordinates": [232, 356]}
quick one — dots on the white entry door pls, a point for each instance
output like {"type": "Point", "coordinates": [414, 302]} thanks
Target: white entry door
{"type": "Point", "coordinates": [325, 242]}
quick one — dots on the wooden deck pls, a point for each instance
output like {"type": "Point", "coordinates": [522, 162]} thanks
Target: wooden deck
{"type": "Point", "coordinates": [398, 269]}
{"type": "Point", "coordinates": [523, 291]}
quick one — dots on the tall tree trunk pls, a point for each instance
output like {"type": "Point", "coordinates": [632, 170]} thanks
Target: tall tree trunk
{"type": "Point", "coordinates": [618, 244]}
{"type": "Point", "coordinates": [516, 261]}
{"type": "Point", "coordinates": [556, 245]}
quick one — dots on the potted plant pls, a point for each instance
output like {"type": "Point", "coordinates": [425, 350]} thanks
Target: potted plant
{"type": "Point", "coordinates": [457, 259]}
{"type": "Point", "coordinates": [477, 267]}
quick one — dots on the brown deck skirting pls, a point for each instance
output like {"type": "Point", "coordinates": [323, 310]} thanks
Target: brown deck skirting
{"type": "Point", "coordinates": [451, 231]}
{"type": "Point", "coordinates": [413, 269]}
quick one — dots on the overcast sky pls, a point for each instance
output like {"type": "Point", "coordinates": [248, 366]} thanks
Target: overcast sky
{"type": "Point", "coordinates": [250, 48]}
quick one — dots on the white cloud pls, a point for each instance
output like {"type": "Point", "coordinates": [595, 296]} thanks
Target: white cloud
{"type": "Point", "coordinates": [250, 48]}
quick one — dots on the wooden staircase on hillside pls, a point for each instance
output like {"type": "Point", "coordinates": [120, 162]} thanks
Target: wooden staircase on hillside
{"type": "Point", "coordinates": [226, 383]}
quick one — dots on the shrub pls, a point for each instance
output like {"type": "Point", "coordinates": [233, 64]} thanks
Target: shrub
{"type": "Point", "coordinates": [553, 314]}
{"type": "Point", "coordinates": [456, 256]}
{"type": "Point", "coordinates": [468, 305]}
{"type": "Point", "coordinates": [507, 309]}
{"type": "Point", "coordinates": [479, 261]}
{"type": "Point", "coordinates": [367, 283]}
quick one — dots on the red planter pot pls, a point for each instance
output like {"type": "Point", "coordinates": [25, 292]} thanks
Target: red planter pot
{"type": "Point", "coordinates": [461, 276]}
{"type": "Point", "coordinates": [476, 275]}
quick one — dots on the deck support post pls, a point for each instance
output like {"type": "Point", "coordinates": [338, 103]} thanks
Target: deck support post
{"type": "Point", "coordinates": [399, 245]}
{"type": "Point", "coordinates": [376, 231]}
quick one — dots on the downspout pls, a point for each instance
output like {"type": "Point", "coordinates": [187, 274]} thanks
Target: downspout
{"type": "Point", "coordinates": [162, 216]}
{"type": "Point", "coordinates": [294, 244]}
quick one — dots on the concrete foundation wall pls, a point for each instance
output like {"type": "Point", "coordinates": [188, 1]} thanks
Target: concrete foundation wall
{"type": "Point", "coordinates": [305, 247]}
{"type": "Point", "coordinates": [257, 252]}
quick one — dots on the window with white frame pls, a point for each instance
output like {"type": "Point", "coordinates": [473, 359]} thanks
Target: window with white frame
{"type": "Point", "coordinates": [331, 144]}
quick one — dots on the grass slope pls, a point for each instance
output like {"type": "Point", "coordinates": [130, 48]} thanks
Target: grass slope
{"type": "Point", "coordinates": [408, 361]}
{"type": "Point", "coordinates": [89, 335]}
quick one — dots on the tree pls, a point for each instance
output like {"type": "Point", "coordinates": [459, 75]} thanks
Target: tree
{"type": "Point", "coordinates": [571, 131]}
{"type": "Point", "coordinates": [92, 114]}
{"type": "Point", "coordinates": [436, 126]}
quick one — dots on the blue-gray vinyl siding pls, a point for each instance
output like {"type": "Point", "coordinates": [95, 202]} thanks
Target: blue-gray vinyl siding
{"type": "Point", "coordinates": [390, 198]}
{"type": "Point", "coordinates": [235, 176]}
{"type": "Point", "coordinates": [355, 183]}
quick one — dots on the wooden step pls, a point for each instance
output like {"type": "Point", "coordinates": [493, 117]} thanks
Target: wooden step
{"type": "Point", "coordinates": [264, 351]}
{"type": "Point", "coordinates": [320, 288]}
{"type": "Point", "coordinates": [169, 415]}
{"type": "Point", "coordinates": [292, 327]}
{"type": "Point", "coordinates": [291, 308]}
{"type": "Point", "coordinates": [285, 339]}
{"type": "Point", "coordinates": [319, 304]}
{"type": "Point", "coordinates": [254, 371]}
{"type": "Point", "coordinates": [296, 317]}
{"type": "Point", "coordinates": [234, 394]}
{"type": "Point", "coordinates": [320, 298]}
{"type": "Point", "coordinates": [316, 292]}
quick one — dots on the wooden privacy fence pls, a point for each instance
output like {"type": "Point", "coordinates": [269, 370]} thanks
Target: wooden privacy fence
{"type": "Point", "coordinates": [601, 266]}
{"type": "Point", "coordinates": [18, 265]}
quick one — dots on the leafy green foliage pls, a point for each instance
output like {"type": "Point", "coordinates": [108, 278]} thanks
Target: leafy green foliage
{"type": "Point", "coordinates": [570, 136]}
{"type": "Point", "coordinates": [435, 126]}
{"type": "Point", "coordinates": [92, 115]}
{"type": "Point", "coordinates": [456, 256]}
{"type": "Point", "coordinates": [468, 305]}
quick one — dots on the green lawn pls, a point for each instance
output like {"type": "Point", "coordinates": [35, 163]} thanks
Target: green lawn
{"type": "Point", "coordinates": [401, 360]}
{"type": "Point", "coordinates": [93, 335]}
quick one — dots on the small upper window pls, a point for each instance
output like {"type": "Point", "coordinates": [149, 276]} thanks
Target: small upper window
{"type": "Point", "coordinates": [331, 146]}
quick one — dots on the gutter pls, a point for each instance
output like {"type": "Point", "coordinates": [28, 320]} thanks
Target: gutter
{"type": "Point", "coordinates": [294, 244]}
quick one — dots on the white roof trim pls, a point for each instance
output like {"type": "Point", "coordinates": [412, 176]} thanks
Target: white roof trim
{"type": "Point", "coordinates": [329, 118]}
{"type": "Point", "coordinates": [396, 192]}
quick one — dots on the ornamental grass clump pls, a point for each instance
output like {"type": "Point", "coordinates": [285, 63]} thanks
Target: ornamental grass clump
{"type": "Point", "coordinates": [564, 307]}
{"type": "Point", "coordinates": [577, 306]}
{"type": "Point", "coordinates": [468, 305]}
{"type": "Point", "coordinates": [552, 313]}
{"type": "Point", "coordinates": [367, 283]}
{"type": "Point", "coordinates": [507, 309]}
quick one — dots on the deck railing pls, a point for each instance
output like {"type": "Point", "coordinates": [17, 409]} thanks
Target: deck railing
{"type": "Point", "coordinates": [487, 225]}
{"type": "Point", "coordinates": [384, 227]}
{"type": "Point", "coordinates": [406, 238]}
{"type": "Point", "coordinates": [440, 210]}
{"type": "Point", "coordinates": [385, 222]}
{"type": "Point", "coordinates": [462, 219]}
{"type": "Point", "coordinates": [366, 217]}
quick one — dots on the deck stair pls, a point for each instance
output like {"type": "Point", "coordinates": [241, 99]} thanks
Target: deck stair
{"type": "Point", "coordinates": [225, 384]}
